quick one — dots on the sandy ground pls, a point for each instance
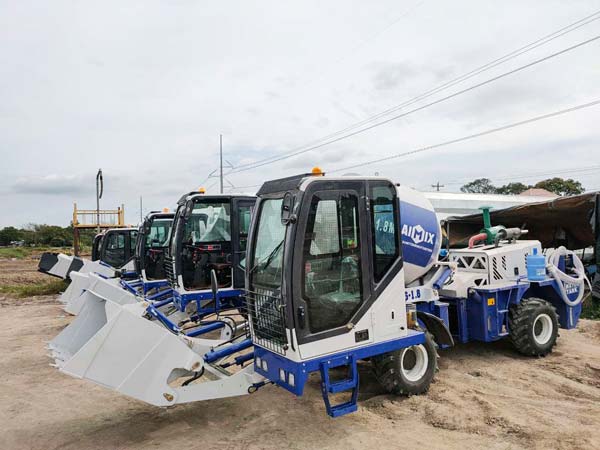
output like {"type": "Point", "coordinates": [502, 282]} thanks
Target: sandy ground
{"type": "Point", "coordinates": [484, 396]}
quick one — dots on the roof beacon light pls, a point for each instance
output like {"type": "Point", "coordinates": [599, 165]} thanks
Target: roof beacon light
{"type": "Point", "coordinates": [202, 190]}
{"type": "Point", "coordinates": [317, 171]}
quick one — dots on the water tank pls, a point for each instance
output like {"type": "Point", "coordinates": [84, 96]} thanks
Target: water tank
{"type": "Point", "coordinates": [421, 233]}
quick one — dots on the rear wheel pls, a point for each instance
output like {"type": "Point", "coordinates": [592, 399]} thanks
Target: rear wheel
{"type": "Point", "coordinates": [533, 325]}
{"type": "Point", "coordinates": [408, 371]}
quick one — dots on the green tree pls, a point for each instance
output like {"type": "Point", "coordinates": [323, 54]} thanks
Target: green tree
{"type": "Point", "coordinates": [479, 186]}
{"type": "Point", "coordinates": [9, 234]}
{"type": "Point", "coordinates": [561, 187]}
{"type": "Point", "coordinates": [512, 188]}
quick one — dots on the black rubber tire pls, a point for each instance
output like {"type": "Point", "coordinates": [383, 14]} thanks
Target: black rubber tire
{"type": "Point", "coordinates": [521, 320]}
{"type": "Point", "coordinates": [387, 368]}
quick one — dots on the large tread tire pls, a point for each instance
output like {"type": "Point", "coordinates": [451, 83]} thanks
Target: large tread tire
{"type": "Point", "coordinates": [524, 321]}
{"type": "Point", "coordinates": [389, 373]}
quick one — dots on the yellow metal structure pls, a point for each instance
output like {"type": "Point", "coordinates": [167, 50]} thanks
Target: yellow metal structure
{"type": "Point", "coordinates": [91, 218]}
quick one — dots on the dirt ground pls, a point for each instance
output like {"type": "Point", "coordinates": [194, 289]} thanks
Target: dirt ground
{"type": "Point", "coordinates": [484, 396]}
{"type": "Point", "coordinates": [20, 271]}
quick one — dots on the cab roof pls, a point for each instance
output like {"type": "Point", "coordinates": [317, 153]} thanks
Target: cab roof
{"type": "Point", "coordinates": [295, 182]}
{"type": "Point", "coordinates": [194, 194]}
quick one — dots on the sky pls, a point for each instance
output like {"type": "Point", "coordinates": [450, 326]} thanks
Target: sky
{"type": "Point", "coordinates": [143, 89]}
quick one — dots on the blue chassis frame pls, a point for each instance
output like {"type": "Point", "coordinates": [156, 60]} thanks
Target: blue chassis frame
{"type": "Point", "coordinates": [483, 316]}
{"type": "Point", "coordinates": [226, 299]}
{"type": "Point", "coordinates": [292, 375]}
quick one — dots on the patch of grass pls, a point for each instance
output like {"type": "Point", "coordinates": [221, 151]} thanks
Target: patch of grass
{"type": "Point", "coordinates": [14, 252]}
{"type": "Point", "coordinates": [28, 252]}
{"type": "Point", "coordinates": [29, 290]}
{"type": "Point", "coordinates": [590, 309]}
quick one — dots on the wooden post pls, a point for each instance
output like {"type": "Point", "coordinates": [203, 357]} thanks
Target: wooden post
{"type": "Point", "coordinates": [76, 241]}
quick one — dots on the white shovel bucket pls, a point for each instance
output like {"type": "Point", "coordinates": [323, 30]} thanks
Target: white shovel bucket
{"type": "Point", "coordinates": [102, 288]}
{"type": "Point", "coordinates": [94, 307]}
{"type": "Point", "coordinates": [80, 282]}
{"type": "Point", "coordinates": [97, 267]}
{"type": "Point", "coordinates": [139, 358]}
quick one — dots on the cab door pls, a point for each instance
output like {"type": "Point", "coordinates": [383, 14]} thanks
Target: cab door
{"type": "Point", "coordinates": [243, 210]}
{"type": "Point", "coordinates": [114, 248]}
{"type": "Point", "coordinates": [118, 247]}
{"type": "Point", "coordinates": [330, 280]}
{"type": "Point", "coordinates": [97, 247]}
{"type": "Point", "coordinates": [131, 238]}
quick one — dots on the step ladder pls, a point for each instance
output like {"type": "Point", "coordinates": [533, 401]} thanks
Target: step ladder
{"type": "Point", "coordinates": [348, 384]}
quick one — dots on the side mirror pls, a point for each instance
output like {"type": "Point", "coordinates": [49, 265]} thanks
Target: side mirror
{"type": "Point", "coordinates": [214, 283]}
{"type": "Point", "coordinates": [189, 208]}
{"type": "Point", "coordinates": [287, 205]}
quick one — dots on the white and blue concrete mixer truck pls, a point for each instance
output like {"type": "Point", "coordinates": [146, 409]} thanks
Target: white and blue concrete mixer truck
{"type": "Point", "coordinates": [347, 269]}
{"type": "Point", "coordinates": [342, 269]}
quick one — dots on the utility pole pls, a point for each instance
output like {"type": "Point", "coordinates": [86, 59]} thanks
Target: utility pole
{"type": "Point", "coordinates": [221, 158]}
{"type": "Point", "coordinates": [99, 191]}
{"type": "Point", "coordinates": [437, 186]}
{"type": "Point", "coordinates": [141, 209]}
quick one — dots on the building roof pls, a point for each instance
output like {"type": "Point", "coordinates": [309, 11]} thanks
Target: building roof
{"type": "Point", "coordinates": [538, 192]}
{"type": "Point", "coordinates": [460, 204]}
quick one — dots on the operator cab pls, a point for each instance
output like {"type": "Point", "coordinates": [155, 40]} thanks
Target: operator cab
{"type": "Point", "coordinates": [152, 245]}
{"type": "Point", "coordinates": [341, 237]}
{"type": "Point", "coordinates": [209, 234]}
{"type": "Point", "coordinates": [115, 247]}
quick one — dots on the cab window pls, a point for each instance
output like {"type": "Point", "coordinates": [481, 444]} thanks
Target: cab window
{"type": "Point", "coordinates": [384, 223]}
{"type": "Point", "coordinates": [114, 254]}
{"type": "Point", "coordinates": [132, 241]}
{"type": "Point", "coordinates": [159, 233]}
{"type": "Point", "coordinates": [332, 285]}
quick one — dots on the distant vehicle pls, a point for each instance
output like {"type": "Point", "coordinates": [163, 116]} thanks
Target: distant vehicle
{"type": "Point", "coordinates": [17, 243]}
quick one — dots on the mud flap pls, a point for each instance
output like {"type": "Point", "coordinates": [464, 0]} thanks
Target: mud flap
{"type": "Point", "coordinates": [437, 328]}
{"type": "Point", "coordinates": [137, 357]}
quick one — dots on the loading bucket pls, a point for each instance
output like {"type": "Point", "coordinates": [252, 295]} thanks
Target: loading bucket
{"type": "Point", "coordinates": [139, 358]}
{"type": "Point", "coordinates": [93, 308]}
{"type": "Point", "coordinates": [62, 266]}
{"type": "Point", "coordinates": [79, 283]}
{"type": "Point", "coordinates": [59, 265]}
{"type": "Point", "coordinates": [101, 288]}
{"type": "Point", "coordinates": [98, 267]}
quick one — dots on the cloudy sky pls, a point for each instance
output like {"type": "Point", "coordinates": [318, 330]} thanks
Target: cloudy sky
{"type": "Point", "coordinates": [143, 89]}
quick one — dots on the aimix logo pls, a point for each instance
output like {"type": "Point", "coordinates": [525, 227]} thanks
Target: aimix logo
{"type": "Point", "coordinates": [418, 234]}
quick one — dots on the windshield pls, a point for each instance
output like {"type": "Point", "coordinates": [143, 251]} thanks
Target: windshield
{"type": "Point", "coordinates": [268, 247]}
{"type": "Point", "coordinates": [205, 243]}
{"type": "Point", "coordinates": [209, 222]}
{"type": "Point", "coordinates": [159, 233]}
{"type": "Point", "coordinates": [176, 230]}
{"type": "Point", "coordinates": [156, 240]}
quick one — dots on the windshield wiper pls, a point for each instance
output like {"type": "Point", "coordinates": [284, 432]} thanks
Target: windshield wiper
{"type": "Point", "coordinates": [265, 262]}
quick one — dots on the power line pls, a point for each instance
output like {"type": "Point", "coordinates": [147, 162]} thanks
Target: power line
{"type": "Point", "coordinates": [244, 187]}
{"type": "Point", "coordinates": [521, 176]}
{"type": "Point", "coordinates": [507, 57]}
{"type": "Point", "coordinates": [427, 105]}
{"type": "Point", "coordinates": [472, 136]}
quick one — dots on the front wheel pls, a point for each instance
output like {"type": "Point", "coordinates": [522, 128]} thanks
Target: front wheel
{"type": "Point", "coordinates": [408, 371]}
{"type": "Point", "coordinates": [533, 326]}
